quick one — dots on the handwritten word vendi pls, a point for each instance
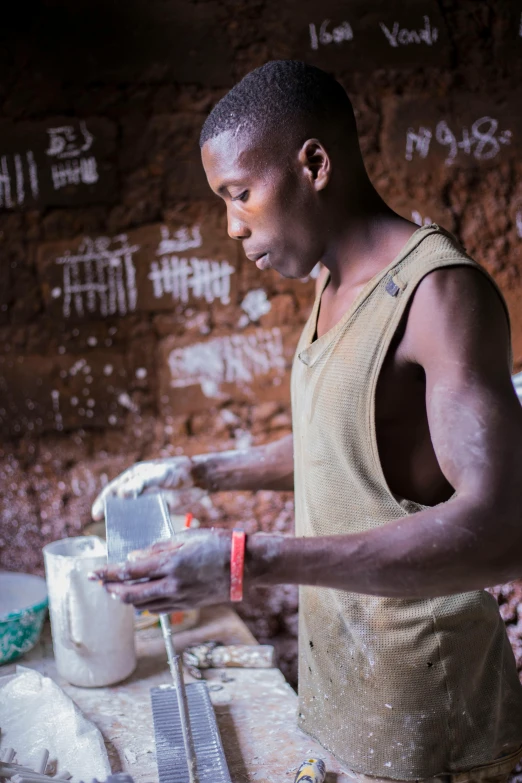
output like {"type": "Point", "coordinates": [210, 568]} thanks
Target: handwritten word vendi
{"type": "Point", "coordinates": [395, 35]}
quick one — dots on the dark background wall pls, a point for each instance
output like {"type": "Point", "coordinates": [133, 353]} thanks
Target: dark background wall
{"type": "Point", "coordinates": [131, 327]}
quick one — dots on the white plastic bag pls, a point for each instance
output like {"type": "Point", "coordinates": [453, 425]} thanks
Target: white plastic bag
{"type": "Point", "coordinates": [35, 714]}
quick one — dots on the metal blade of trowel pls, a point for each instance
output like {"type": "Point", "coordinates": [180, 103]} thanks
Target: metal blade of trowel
{"type": "Point", "coordinates": [137, 523]}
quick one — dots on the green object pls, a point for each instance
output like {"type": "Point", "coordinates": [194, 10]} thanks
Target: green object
{"type": "Point", "coordinates": [23, 605]}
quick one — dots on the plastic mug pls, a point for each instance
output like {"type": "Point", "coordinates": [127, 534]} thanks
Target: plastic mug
{"type": "Point", "coordinates": [93, 634]}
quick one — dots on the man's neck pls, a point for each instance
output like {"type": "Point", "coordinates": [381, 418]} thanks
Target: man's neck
{"type": "Point", "coordinates": [364, 245]}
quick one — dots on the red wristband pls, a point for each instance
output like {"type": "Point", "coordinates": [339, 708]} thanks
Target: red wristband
{"type": "Point", "coordinates": [237, 564]}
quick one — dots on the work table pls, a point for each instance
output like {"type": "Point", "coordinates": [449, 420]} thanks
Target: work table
{"type": "Point", "coordinates": [255, 708]}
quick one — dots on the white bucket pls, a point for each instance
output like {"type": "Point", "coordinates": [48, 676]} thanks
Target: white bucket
{"type": "Point", "coordinates": [93, 634]}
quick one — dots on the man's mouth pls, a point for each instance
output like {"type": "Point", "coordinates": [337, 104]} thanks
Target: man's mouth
{"type": "Point", "coordinates": [261, 259]}
{"type": "Point", "coordinates": [262, 262]}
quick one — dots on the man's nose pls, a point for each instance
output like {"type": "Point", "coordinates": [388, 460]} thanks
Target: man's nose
{"type": "Point", "coordinates": [237, 228]}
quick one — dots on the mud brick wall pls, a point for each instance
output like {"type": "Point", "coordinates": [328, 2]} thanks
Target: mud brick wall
{"type": "Point", "coordinates": [131, 326]}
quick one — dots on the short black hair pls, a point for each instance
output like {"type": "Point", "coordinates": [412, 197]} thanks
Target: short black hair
{"type": "Point", "coordinates": [281, 96]}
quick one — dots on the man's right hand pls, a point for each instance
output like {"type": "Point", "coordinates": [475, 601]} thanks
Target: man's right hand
{"type": "Point", "coordinates": [270, 466]}
{"type": "Point", "coordinates": [156, 474]}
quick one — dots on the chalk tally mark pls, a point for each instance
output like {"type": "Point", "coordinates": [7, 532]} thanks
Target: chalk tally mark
{"type": "Point", "coordinates": [99, 278]}
{"type": "Point", "coordinates": [181, 276]}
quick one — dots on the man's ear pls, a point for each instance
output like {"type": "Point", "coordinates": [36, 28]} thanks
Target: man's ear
{"type": "Point", "coordinates": [316, 163]}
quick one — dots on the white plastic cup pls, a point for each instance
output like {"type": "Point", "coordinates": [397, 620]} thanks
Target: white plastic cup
{"type": "Point", "coordinates": [93, 634]}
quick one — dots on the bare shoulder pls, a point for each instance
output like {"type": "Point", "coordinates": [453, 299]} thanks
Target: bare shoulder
{"type": "Point", "coordinates": [458, 312]}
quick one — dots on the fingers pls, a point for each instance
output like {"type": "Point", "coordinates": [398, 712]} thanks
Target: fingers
{"type": "Point", "coordinates": [131, 487]}
{"type": "Point", "coordinates": [149, 566]}
{"type": "Point", "coordinates": [145, 594]}
{"type": "Point", "coordinates": [122, 488]}
{"type": "Point", "coordinates": [155, 549]}
{"type": "Point", "coordinates": [98, 508]}
{"type": "Point", "coordinates": [129, 484]}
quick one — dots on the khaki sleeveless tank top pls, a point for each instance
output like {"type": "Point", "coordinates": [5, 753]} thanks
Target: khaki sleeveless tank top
{"type": "Point", "coordinates": [395, 688]}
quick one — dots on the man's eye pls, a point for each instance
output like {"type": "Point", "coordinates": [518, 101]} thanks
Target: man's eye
{"type": "Point", "coordinates": [242, 196]}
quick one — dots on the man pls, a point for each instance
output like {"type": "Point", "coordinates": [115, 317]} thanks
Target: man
{"type": "Point", "coordinates": [406, 452]}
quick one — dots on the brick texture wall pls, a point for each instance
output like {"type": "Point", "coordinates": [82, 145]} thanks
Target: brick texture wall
{"type": "Point", "coordinates": [131, 326]}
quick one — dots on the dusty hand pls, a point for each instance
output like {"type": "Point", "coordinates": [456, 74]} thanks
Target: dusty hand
{"type": "Point", "coordinates": [175, 576]}
{"type": "Point", "coordinates": [171, 473]}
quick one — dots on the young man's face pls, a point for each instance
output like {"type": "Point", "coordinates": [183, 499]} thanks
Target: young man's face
{"type": "Point", "coordinates": [270, 205]}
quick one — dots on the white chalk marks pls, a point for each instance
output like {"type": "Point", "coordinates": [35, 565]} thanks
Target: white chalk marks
{"type": "Point", "coordinates": [18, 174]}
{"type": "Point", "coordinates": [518, 223]}
{"type": "Point", "coordinates": [99, 278]}
{"type": "Point", "coordinates": [67, 146]}
{"type": "Point", "coordinates": [65, 142]}
{"type": "Point", "coordinates": [255, 304]}
{"type": "Point", "coordinates": [483, 141]}
{"type": "Point", "coordinates": [145, 269]}
{"type": "Point", "coordinates": [57, 162]}
{"type": "Point", "coordinates": [401, 36]}
{"type": "Point", "coordinates": [204, 279]}
{"type": "Point", "coordinates": [394, 33]}
{"type": "Point", "coordinates": [419, 220]}
{"type": "Point", "coordinates": [180, 276]}
{"type": "Point", "coordinates": [74, 172]}
{"type": "Point", "coordinates": [323, 36]}
{"type": "Point", "coordinates": [38, 161]}
{"type": "Point", "coordinates": [58, 420]}
{"type": "Point", "coordinates": [177, 241]}
{"type": "Point", "coordinates": [238, 358]}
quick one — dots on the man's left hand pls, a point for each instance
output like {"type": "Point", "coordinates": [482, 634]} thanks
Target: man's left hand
{"type": "Point", "coordinates": [183, 574]}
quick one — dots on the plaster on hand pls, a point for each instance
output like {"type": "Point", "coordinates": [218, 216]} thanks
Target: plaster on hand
{"type": "Point", "coordinates": [155, 474]}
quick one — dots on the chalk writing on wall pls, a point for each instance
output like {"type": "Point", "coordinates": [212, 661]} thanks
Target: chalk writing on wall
{"type": "Point", "coordinates": [238, 359]}
{"type": "Point", "coordinates": [255, 304]}
{"type": "Point", "coordinates": [206, 279]}
{"type": "Point", "coordinates": [18, 173]}
{"type": "Point", "coordinates": [325, 36]}
{"type": "Point", "coordinates": [419, 220]}
{"type": "Point", "coordinates": [146, 269]}
{"type": "Point", "coordinates": [58, 420]}
{"type": "Point", "coordinates": [483, 140]}
{"type": "Point", "coordinates": [178, 276]}
{"type": "Point", "coordinates": [100, 277]}
{"type": "Point", "coordinates": [395, 35]}
{"type": "Point", "coordinates": [177, 241]}
{"type": "Point", "coordinates": [518, 223]}
{"type": "Point", "coordinates": [71, 166]}
{"type": "Point", "coordinates": [401, 36]}
{"type": "Point", "coordinates": [64, 162]}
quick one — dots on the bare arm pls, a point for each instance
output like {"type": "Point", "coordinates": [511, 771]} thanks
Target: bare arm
{"type": "Point", "coordinates": [457, 332]}
{"type": "Point", "coordinates": [262, 467]}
